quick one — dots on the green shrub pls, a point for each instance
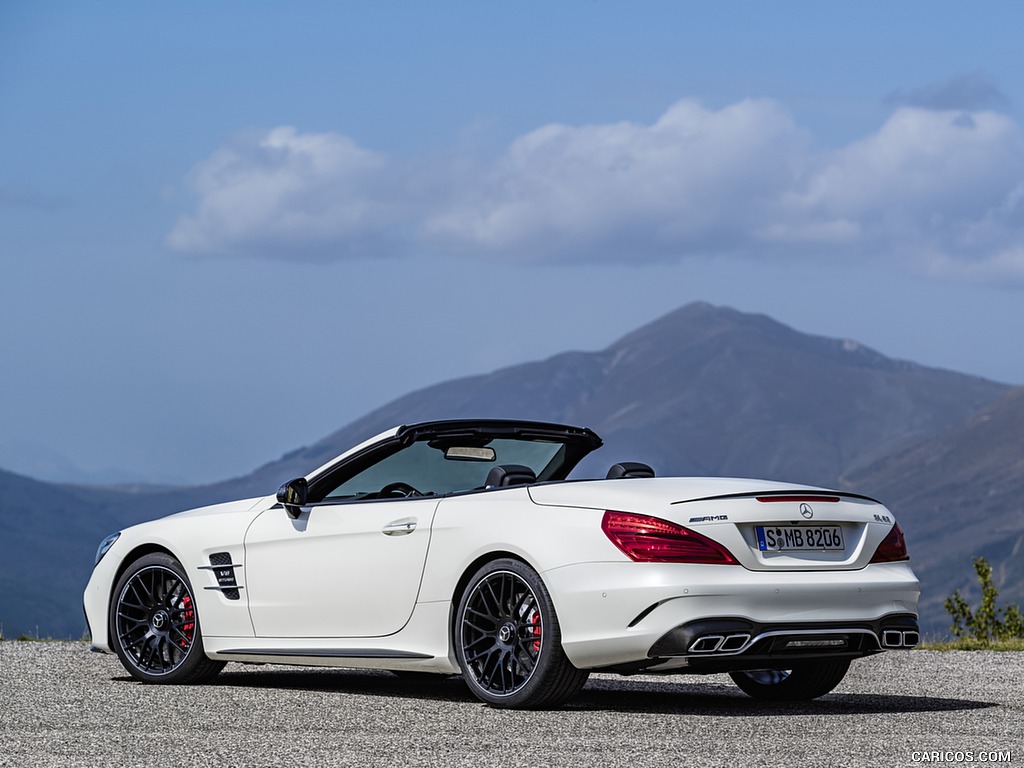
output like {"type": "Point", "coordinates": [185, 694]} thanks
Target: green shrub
{"type": "Point", "coordinates": [989, 622]}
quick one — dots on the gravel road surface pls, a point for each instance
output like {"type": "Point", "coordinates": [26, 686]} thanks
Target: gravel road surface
{"type": "Point", "coordinates": [61, 705]}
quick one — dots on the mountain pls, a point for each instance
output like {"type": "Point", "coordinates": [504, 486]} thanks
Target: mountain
{"type": "Point", "coordinates": [703, 390]}
{"type": "Point", "coordinates": [31, 459]}
{"type": "Point", "coordinates": [959, 496]}
{"type": "Point", "coordinates": [46, 551]}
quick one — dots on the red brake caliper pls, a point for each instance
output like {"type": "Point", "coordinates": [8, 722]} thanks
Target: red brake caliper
{"type": "Point", "coordinates": [189, 627]}
{"type": "Point", "coordinates": [535, 629]}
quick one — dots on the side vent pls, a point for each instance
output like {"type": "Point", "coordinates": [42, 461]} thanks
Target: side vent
{"type": "Point", "coordinates": [224, 570]}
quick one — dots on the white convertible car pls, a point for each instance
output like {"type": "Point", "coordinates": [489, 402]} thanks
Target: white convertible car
{"type": "Point", "coordinates": [460, 547]}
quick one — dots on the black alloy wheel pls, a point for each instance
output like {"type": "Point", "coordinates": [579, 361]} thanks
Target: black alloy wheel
{"type": "Point", "coordinates": [808, 681]}
{"type": "Point", "coordinates": [154, 626]}
{"type": "Point", "coordinates": [508, 640]}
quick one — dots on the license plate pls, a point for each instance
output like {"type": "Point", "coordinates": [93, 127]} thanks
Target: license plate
{"type": "Point", "coordinates": [802, 538]}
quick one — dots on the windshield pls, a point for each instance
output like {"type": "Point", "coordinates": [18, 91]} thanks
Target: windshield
{"type": "Point", "coordinates": [427, 468]}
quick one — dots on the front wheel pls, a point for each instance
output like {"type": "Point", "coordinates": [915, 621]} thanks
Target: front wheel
{"type": "Point", "coordinates": [508, 641]}
{"type": "Point", "coordinates": [808, 681]}
{"type": "Point", "coordinates": [154, 627]}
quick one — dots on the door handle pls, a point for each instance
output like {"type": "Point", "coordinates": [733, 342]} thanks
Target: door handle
{"type": "Point", "coordinates": [400, 527]}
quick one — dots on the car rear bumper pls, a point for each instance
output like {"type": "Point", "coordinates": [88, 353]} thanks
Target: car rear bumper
{"type": "Point", "coordinates": [617, 614]}
{"type": "Point", "coordinates": [727, 644]}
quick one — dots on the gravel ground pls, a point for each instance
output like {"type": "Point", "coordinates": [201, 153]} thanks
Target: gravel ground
{"type": "Point", "coordinates": [61, 705]}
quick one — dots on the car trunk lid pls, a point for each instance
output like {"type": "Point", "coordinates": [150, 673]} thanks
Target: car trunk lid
{"type": "Point", "coordinates": [767, 526]}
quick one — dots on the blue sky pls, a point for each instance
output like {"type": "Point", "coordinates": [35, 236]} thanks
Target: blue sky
{"type": "Point", "coordinates": [228, 229]}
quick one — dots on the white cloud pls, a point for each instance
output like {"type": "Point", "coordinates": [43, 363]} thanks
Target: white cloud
{"type": "Point", "coordinates": [694, 181]}
{"type": "Point", "coordinates": [927, 181]}
{"type": "Point", "coordinates": [941, 188]}
{"type": "Point", "coordinates": [292, 194]}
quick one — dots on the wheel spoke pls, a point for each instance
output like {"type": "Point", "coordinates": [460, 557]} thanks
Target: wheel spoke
{"type": "Point", "coordinates": [488, 616]}
{"type": "Point", "coordinates": [159, 659]}
{"type": "Point", "coordinates": [481, 654]}
{"type": "Point", "coordinates": [497, 589]}
{"type": "Point", "coordinates": [175, 596]}
{"type": "Point", "coordinates": [126, 630]}
{"type": "Point", "coordinates": [144, 597]}
{"type": "Point", "coordinates": [134, 643]}
{"type": "Point", "coordinates": [183, 636]}
{"type": "Point", "coordinates": [526, 661]}
{"type": "Point", "coordinates": [522, 604]}
{"type": "Point", "coordinates": [146, 652]}
{"type": "Point", "coordinates": [481, 630]}
{"type": "Point", "coordinates": [495, 601]}
{"type": "Point", "coordinates": [495, 666]}
{"type": "Point", "coordinates": [506, 667]}
{"type": "Point", "coordinates": [155, 587]}
{"type": "Point", "coordinates": [483, 638]}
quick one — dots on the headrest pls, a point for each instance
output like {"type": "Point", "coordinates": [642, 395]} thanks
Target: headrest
{"type": "Point", "coordinates": [629, 469]}
{"type": "Point", "coordinates": [509, 474]}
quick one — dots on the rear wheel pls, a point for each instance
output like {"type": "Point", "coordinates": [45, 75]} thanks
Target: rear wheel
{"type": "Point", "coordinates": [508, 641]}
{"type": "Point", "coordinates": [808, 681]}
{"type": "Point", "coordinates": [154, 626]}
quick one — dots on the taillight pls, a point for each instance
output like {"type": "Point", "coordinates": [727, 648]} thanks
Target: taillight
{"type": "Point", "coordinates": [892, 548]}
{"type": "Point", "coordinates": [653, 540]}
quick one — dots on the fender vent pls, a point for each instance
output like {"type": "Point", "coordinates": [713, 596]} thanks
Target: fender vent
{"type": "Point", "coordinates": [224, 570]}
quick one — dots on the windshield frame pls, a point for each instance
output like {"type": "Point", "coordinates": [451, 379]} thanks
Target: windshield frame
{"type": "Point", "coordinates": [577, 443]}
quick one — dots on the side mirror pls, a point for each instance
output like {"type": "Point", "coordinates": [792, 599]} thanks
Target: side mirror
{"type": "Point", "coordinates": [292, 495]}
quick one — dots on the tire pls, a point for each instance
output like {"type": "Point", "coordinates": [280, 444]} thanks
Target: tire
{"type": "Point", "coordinates": [154, 626]}
{"type": "Point", "coordinates": [508, 641]}
{"type": "Point", "coordinates": [808, 681]}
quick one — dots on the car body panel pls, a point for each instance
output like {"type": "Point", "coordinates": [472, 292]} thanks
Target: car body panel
{"type": "Point", "coordinates": [190, 537]}
{"type": "Point", "coordinates": [295, 567]}
{"type": "Point", "coordinates": [613, 613]}
{"type": "Point", "coordinates": [374, 582]}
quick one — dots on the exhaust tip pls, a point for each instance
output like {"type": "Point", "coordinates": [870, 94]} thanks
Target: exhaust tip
{"type": "Point", "coordinates": [707, 644]}
{"type": "Point", "coordinates": [900, 638]}
{"type": "Point", "coordinates": [892, 638]}
{"type": "Point", "coordinates": [735, 642]}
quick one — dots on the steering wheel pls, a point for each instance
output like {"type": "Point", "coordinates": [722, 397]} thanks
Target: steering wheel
{"type": "Point", "coordinates": [398, 489]}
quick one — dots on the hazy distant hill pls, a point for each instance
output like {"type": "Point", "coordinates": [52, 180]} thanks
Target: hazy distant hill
{"type": "Point", "coordinates": [703, 390]}
{"type": "Point", "coordinates": [50, 533]}
{"type": "Point", "coordinates": [960, 495]}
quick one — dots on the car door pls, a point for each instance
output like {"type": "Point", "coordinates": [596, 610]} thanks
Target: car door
{"type": "Point", "coordinates": [338, 570]}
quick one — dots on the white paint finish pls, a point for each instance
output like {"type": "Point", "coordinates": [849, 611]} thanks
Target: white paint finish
{"type": "Point", "coordinates": [597, 601]}
{"type": "Point", "coordinates": [191, 537]}
{"type": "Point", "coordinates": [645, 494]}
{"type": "Point", "coordinates": [333, 572]}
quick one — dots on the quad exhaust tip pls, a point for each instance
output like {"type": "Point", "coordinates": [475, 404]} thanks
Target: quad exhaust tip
{"type": "Point", "coordinates": [900, 638]}
{"type": "Point", "coordinates": [719, 643]}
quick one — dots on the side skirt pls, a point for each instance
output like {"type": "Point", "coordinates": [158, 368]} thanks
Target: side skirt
{"type": "Point", "coordinates": [320, 653]}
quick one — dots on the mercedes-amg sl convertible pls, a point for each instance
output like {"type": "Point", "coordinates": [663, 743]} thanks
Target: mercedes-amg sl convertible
{"type": "Point", "coordinates": [460, 547]}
